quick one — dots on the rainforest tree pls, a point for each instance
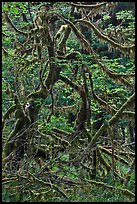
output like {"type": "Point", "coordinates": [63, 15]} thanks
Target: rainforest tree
{"type": "Point", "coordinates": [68, 93]}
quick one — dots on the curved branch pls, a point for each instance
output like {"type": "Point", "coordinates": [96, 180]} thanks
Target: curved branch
{"type": "Point", "coordinates": [104, 103]}
{"type": "Point", "coordinates": [123, 48]}
{"type": "Point", "coordinates": [68, 81]}
{"type": "Point", "coordinates": [115, 76]}
{"type": "Point", "coordinates": [93, 6]}
{"type": "Point", "coordinates": [6, 53]}
{"type": "Point", "coordinates": [7, 18]}
{"type": "Point", "coordinates": [100, 100]}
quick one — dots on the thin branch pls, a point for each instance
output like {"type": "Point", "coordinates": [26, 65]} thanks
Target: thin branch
{"type": "Point", "coordinates": [114, 155]}
{"type": "Point", "coordinates": [49, 184]}
{"type": "Point", "coordinates": [7, 18]}
{"type": "Point", "coordinates": [68, 81]}
{"type": "Point", "coordinates": [99, 184]}
{"type": "Point", "coordinates": [128, 174]}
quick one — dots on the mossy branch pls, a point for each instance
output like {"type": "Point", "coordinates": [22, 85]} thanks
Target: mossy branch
{"type": "Point", "coordinates": [100, 100]}
{"type": "Point", "coordinates": [68, 81]}
{"type": "Point", "coordinates": [122, 190]}
{"type": "Point", "coordinates": [7, 115]}
{"type": "Point", "coordinates": [123, 48]}
{"type": "Point", "coordinates": [106, 151]}
{"type": "Point", "coordinates": [7, 18]}
{"type": "Point", "coordinates": [118, 114]}
{"type": "Point", "coordinates": [93, 6]}
{"type": "Point", "coordinates": [84, 43]}
{"type": "Point", "coordinates": [62, 43]}
{"type": "Point", "coordinates": [118, 77]}
{"type": "Point", "coordinates": [104, 103]}
{"type": "Point", "coordinates": [103, 161]}
{"type": "Point", "coordinates": [112, 121]}
{"type": "Point", "coordinates": [51, 185]}
{"type": "Point", "coordinates": [129, 172]}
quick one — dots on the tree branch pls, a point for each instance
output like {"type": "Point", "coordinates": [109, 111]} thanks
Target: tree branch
{"type": "Point", "coordinates": [112, 121]}
{"type": "Point", "coordinates": [124, 48]}
{"type": "Point", "coordinates": [89, 6]}
{"type": "Point", "coordinates": [7, 18]}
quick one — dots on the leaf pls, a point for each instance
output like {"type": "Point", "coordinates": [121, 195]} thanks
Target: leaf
{"type": "Point", "coordinates": [64, 157]}
{"type": "Point", "coordinates": [106, 17]}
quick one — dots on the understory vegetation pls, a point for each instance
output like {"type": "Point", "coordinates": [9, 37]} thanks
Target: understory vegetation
{"type": "Point", "coordinates": [68, 93]}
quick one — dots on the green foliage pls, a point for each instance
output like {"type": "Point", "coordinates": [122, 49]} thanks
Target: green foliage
{"type": "Point", "coordinates": [54, 134]}
{"type": "Point", "coordinates": [106, 17]}
{"type": "Point", "coordinates": [64, 157]}
{"type": "Point", "coordinates": [60, 123]}
{"type": "Point", "coordinates": [127, 15]}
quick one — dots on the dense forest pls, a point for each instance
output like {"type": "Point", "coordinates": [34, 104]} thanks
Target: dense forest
{"type": "Point", "coordinates": [68, 93]}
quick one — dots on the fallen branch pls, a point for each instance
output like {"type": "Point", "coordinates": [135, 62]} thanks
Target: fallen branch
{"type": "Point", "coordinates": [49, 184]}
{"type": "Point", "coordinates": [122, 190]}
{"type": "Point", "coordinates": [115, 156]}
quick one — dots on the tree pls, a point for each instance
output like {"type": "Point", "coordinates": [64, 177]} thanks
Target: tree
{"type": "Point", "coordinates": [55, 72]}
